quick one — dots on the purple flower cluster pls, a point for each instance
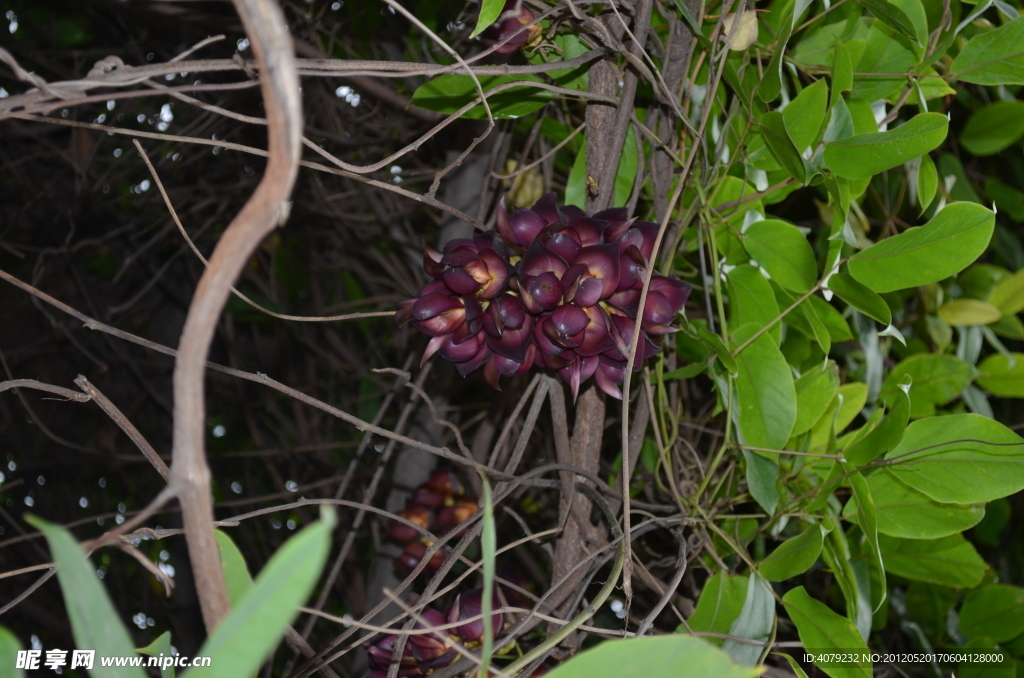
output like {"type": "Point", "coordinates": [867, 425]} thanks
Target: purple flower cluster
{"type": "Point", "coordinates": [551, 288]}
{"type": "Point", "coordinates": [428, 651]}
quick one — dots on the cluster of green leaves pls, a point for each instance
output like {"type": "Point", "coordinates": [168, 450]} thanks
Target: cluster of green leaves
{"type": "Point", "coordinates": [261, 610]}
{"type": "Point", "coordinates": [857, 356]}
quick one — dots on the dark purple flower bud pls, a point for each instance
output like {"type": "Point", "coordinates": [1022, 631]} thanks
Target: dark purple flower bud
{"type": "Point", "coordinates": [510, 22]}
{"type": "Point", "coordinates": [381, 651]}
{"type": "Point", "coordinates": [427, 497]}
{"type": "Point", "coordinates": [568, 320]}
{"type": "Point", "coordinates": [446, 483]}
{"type": "Point", "coordinates": [437, 641]}
{"type": "Point", "coordinates": [593, 276]}
{"type": "Point", "coordinates": [614, 214]}
{"type": "Point", "coordinates": [521, 227]}
{"type": "Point", "coordinates": [547, 207]}
{"type": "Point", "coordinates": [665, 298]}
{"type": "Point", "coordinates": [450, 517]}
{"type": "Point", "coordinates": [432, 262]}
{"type": "Point", "coordinates": [474, 267]}
{"type": "Point", "coordinates": [437, 314]}
{"type": "Point", "coordinates": [469, 604]}
{"type": "Point", "coordinates": [414, 552]}
{"type": "Point", "coordinates": [416, 514]}
{"type": "Point", "coordinates": [543, 293]}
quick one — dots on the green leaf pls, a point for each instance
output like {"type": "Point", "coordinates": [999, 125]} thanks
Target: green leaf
{"type": "Point", "coordinates": [805, 116]}
{"type": "Point", "coordinates": [994, 128]}
{"type": "Point", "coordinates": [962, 312]}
{"type": "Point", "coordinates": [95, 623]}
{"type": "Point", "coordinates": [853, 396]}
{"type": "Point", "coordinates": [762, 480]}
{"type": "Point", "coordinates": [490, 10]}
{"type": "Point", "coordinates": [881, 71]}
{"type": "Point", "coordinates": [9, 647]}
{"type": "Point", "coordinates": [765, 391]}
{"type": "Point", "coordinates": [993, 611]}
{"type": "Point", "coordinates": [670, 655]}
{"type": "Point", "coordinates": [576, 186]}
{"type": "Point", "coordinates": [865, 155]}
{"type": "Point", "coordinates": [1008, 295]}
{"type": "Point", "coordinates": [814, 391]}
{"type": "Point", "coordinates": [904, 512]}
{"type": "Point", "coordinates": [1000, 378]}
{"type": "Point", "coordinates": [842, 72]}
{"type": "Point", "coordinates": [895, 18]}
{"type": "Point", "coordinates": [714, 342]}
{"type": "Point", "coordinates": [783, 251]}
{"type": "Point", "coordinates": [794, 556]}
{"type": "Point", "coordinates": [161, 647]}
{"type": "Point", "coordinates": [823, 630]}
{"type": "Point", "coordinates": [249, 633]}
{"type": "Point", "coordinates": [950, 561]}
{"type": "Point", "coordinates": [927, 182]}
{"type": "Point", "coordinates": [883, 437]}
{"type": "Point", "coordinates": [860, 297]}
{"type": "Point", "coordinates": [755, 622]}
{"type": "Point", "coordinates": [236, 572]}
{"type": "Point", "coordinates": [946, 245]}
{"type": "Point", "coordinates": [993, 58]}
{"type": "Point", "coordinates": [719, 605]}
{"type": "Point", "coordinates": [867, 518]}
{"type": "Point", "coordinates": [959, 459]}
{"type": "Point", "coordinates": [1007, 198]}
{"type": "Point", "coordinates": [751, 300]}
{"type": "Point", "coordinates": [449, 93]}
{"type": "Point", "coordinates": [625, 175]}
{"type": "Point", "coordinates": [770, 87]}
{"type": "Point", "coordinates": [937, 379]}
{"type": "Point", "coordinates": [773, 131]}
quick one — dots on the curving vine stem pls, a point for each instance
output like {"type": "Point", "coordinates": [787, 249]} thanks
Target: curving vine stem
{"type": "Point", "coordinates": [266, 28]}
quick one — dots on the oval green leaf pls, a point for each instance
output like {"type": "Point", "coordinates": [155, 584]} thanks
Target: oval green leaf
{"type": "Point", "coordinates": [794, 556]}
{"type": "Point", "coordinates": [927, 182]}
{"type": "Point", "coordinates": [895, 18]}
{"type": "Point", "coordinates": [946, 245]}
{"type": "Point", "coordinates": [993, 58]}
{"type": "Point", "coordinates": [885, 435]}
{"type": "Point", "coordinates": [765, 390]}
{"type": "Point", "coordinates": [860, 297]}
{"type": "Point", "coordinates": [449, 93]}
{"type": "Point", "coordinates": [1008, 295]}
{"type": "Point", "coordinates": [9, 647]}
{"type": "Point", "coordinates": [865, 155]}
{"type": "Point", "coordinates": [490, 10]}
{"type": "Point", "coordinates": [814, 391]}
{"type": "Point", "coordinates": [719, 605]}
{"type": "Point", "coordinates": [937, 379]}
{"type": "Point", "coordinates": [773, 131]}
{"type": "Point", "coordinates": [1002, 378]}
{"type": "Point", "coordinates": [672, 655]}
{"type": "Point", "coordinates": [959, 459]}
{"type": "Point", "coordinates": [950, 561]}
{"type": "Point", "coordinates": [994, 612]}
{"type": "Point", "coordinates": [756, 622]}
{"type": "Point", "coordinates": [751, 300]}
{"type": "Point", "coordinates": [825, 631]}
{"type": "Point", "coordinates": [782, 250]}
{"type": "Point", "coordinates": [994, 128]}
{"type": "Point", "coordinates": [964, 312]}
{"type": "Point", "coordinates": [904, 512]}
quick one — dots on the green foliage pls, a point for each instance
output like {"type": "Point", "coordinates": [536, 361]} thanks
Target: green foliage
{"type": "Point", "coordinates": [94, 621]}
{"type": "Point", "coordinates": [9, 647]}
{"type": "Point", "coordinates": [241, 642]}
{"type": "Point", "coordinates": [653, 656]}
